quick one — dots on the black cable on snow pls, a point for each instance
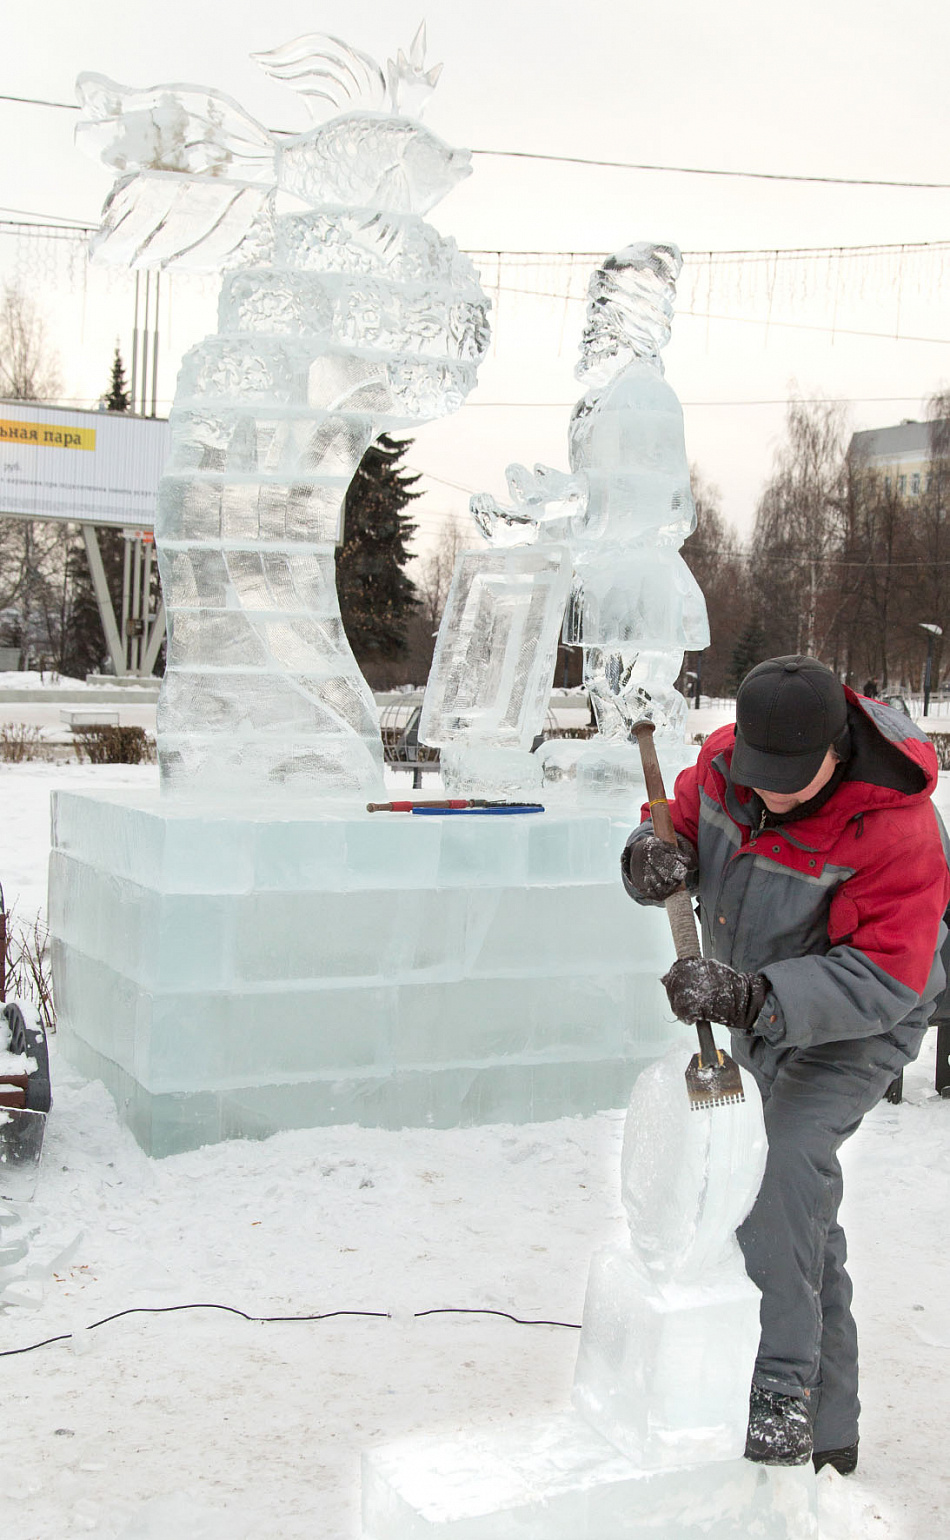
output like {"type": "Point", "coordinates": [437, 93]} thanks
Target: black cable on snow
{"type": "Point", "coordinates": [264, 1320]}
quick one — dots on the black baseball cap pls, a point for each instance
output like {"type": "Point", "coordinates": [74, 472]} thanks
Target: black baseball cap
{"type": "Point", "coordinates": [789, 712]}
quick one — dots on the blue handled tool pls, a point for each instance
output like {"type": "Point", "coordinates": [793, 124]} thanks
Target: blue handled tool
{"type": "Point", "coordinates": [481, 812]}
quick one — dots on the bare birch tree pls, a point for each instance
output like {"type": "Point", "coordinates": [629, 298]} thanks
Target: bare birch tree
{"type": "Point", "coordinates": [29, 368]}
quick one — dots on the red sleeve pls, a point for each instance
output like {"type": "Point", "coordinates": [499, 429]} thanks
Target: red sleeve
{"type": "Point", "coordinates": [684, 803]}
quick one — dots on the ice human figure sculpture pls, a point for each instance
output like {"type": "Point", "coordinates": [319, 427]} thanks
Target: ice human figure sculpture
{"type": "Point", "coordinates": [654, 1443]}
{"type": "Point", "coordinates": [342, 315]}
{"type": "Point", "coordinates": [622, 512]}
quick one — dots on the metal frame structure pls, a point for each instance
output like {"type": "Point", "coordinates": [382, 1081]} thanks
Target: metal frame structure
{"type": "Point", "coordinates": [133, 640]}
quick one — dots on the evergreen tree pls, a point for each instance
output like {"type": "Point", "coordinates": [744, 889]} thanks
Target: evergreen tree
{"type": "Point", "coordinates": [751, 647]}
{"type": "Point", "coordinates": [377, 599]}
{"type": "Point", "coordinates": [117, 397]}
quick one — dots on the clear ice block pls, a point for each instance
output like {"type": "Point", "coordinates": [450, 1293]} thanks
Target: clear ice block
{"type": "Point", "coordinates": [494, 658]}
{"type": "Point", "coordinates": [688, 1177]}
{"type": "Point", "coordinates": [664, 1369]}
{"type": "Point", "coordinates": [557, 1479]}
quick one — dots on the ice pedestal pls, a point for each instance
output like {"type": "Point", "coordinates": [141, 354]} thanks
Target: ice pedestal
{"type": "Point", "coordinates": [230, 975]}
{"type": "Point", "coordinates": [663, 1369]}
{"type": "Point", "coordinates": [557, 1479]}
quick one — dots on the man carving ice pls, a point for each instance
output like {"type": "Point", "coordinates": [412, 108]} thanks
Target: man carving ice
{"type": "Point", "coordinates": [807, 833]}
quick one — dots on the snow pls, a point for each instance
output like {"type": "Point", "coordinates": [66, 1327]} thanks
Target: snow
{"type": "Point", "coordinates": [32, 679]}
{"type": "Point", "coordinates": [201, 1424]}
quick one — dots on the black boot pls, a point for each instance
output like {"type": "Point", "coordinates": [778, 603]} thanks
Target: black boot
{"type": "Point", "coordinates": [779, 1429]}
{"type": "Point", "coordinates": [844, 1460]}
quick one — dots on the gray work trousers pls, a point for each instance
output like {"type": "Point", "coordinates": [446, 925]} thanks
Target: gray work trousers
{"type": "Point", "coordinates": [794, 1248]}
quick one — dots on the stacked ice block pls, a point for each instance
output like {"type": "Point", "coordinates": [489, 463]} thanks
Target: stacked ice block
{"type": "Point", "coordinates": [234, 972]}
{"type": "Point", "coordinates": [661, 1394]}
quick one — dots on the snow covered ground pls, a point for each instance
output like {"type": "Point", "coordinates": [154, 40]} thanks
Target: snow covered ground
{"type": "Point", "coordinates": [199, 1425]}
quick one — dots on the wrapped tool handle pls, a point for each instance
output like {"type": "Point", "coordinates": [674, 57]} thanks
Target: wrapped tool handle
{"type": "Point", "coordinates": [679, 905]}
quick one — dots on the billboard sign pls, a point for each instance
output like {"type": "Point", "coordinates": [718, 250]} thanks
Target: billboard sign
{"type": "Point", "coordinates": [87, 467]}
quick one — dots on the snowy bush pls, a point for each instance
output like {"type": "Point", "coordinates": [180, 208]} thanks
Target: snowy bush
{"type": "Point", "coordinates": [19, 742]}
{"type": "Point", "coordinates": [106, 745]}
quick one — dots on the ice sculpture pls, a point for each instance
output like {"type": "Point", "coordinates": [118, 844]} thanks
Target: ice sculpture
{"type": "Point", "coordinates": [621, 513]}
{"type": "Point", "coordinates": [491, 673]}
{"type": "Point", "coordinates": [671, 1323]}
{"type": "Point", "coordinates": [654, 1443]}
{"type": "Point", "coordinates": [342, 315]}
{"type": "Point", "coordinates": [231, 962]}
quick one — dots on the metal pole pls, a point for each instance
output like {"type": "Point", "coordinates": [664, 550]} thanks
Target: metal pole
{"type": "Point", "coordinates": [103, 598]}
{"type": "Point", "coordinates": [698, 681]}
{"type": "Point", "coordinates": [145, 605]}
{"type": "Point", "coordinates": [135, 343]}
{"type": "Point", "coordinates": [927, 669]}
{"type": "Point", "coordinates": [148, 286]}
{"type": "Point", "coordinates": [136, 603]}
{"type": "Point", "coordinates": [126, 573]}
{"type": "Point", "coordinates": [155, 640]}
{"type": "Point", "coordinates": [155, 348]}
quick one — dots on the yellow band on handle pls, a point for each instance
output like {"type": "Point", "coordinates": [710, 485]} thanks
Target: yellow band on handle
{"type": "Point", "coordinates": [659, 802]}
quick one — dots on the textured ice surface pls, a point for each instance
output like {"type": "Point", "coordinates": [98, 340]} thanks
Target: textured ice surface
{"type": "Point", "coordinates": [620, 513]}
{"type": "Point", "coordinates": [334, 325]}
{"type": "Point", "coordinates": [557, 1479]}
{"type": "Point", "coordinates": [243, 969]}
{"type": "Point", "coordinates": [664, 1369]}
{"type": "Point", "coordinates": [671, 1324]}
{"type": "Point", "coordinates": [640, 598]}
{"type": "Point", "coordinates": [688, 1177]}
{"type": "Point", "coordinates": [491, 674]}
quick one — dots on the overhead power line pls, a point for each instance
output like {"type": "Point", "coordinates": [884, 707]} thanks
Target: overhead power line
{"type": "Point", "coordinates": [744, 320]}
{"type": "Point", "coordinates": [71, 225]}
{"type": "Point", "coordinates": [40, 101]}
{"type": "Point", "coordinates": [752, 401]}
{"type": "Point", "coordinates": [615, 165]}
{"type": "Point", "coordinates": [758, 176]}
{"type": "Point", "coordinates": [63, 219]}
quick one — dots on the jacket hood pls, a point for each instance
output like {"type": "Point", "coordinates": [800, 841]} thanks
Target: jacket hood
{"type": "Point", "coordinates": [888, 750]}
{"type": "Point", "coordinates": [892, 764]}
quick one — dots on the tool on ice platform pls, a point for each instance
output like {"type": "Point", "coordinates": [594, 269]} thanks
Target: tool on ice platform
{"type": "Point", "coordinates": [478, 812]}
{"type": "Point", "coordinates": [712, 1079]}
{"type": "Point", "coordinates": [455, 805]}
{"type": "Point", "coordinates": [24, 1102]}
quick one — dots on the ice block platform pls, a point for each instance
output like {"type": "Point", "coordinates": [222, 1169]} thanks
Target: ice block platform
{"type": "Point", "coordinates": [231, 976]}
{"type": "Point", "coordinates": [557, 1479]}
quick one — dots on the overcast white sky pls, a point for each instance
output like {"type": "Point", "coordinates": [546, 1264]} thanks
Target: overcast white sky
{"type": "Point", "coordinates": [849, 89]}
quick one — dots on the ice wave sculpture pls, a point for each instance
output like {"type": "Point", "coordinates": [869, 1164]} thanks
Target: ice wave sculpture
{"type": "Point", "coordinates": [622, 512]}
{"type": "Point", "coordinates": [342, 315]}
{"type": "Point", "coordinates": [671, 1321]}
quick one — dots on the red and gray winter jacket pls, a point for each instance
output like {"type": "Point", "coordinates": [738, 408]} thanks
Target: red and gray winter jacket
{"type": "Point", "coordinates": [842, 910]}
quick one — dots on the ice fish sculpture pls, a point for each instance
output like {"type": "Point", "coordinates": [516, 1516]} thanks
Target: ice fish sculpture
{"type": "Point", "coordinates": [342, 315]}
{"type": "Point", "coordinates": [622, 511]}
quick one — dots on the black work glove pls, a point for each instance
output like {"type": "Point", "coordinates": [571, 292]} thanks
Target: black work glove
{"type": "Point", "coordinates": [654, 869]}
{"type": "Point", "coordinates": [700, 989]}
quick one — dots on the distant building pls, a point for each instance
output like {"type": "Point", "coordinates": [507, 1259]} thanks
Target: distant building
{"type": "Point", "coordinates": [901, 455]}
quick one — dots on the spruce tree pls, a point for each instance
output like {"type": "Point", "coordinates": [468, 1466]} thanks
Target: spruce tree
{"type": "Point", "coordinates": [751, 648]}
{"type": "Point", "coordinates": [117, 397]}
{"type": "Point", "coordinates": [377, 599]}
